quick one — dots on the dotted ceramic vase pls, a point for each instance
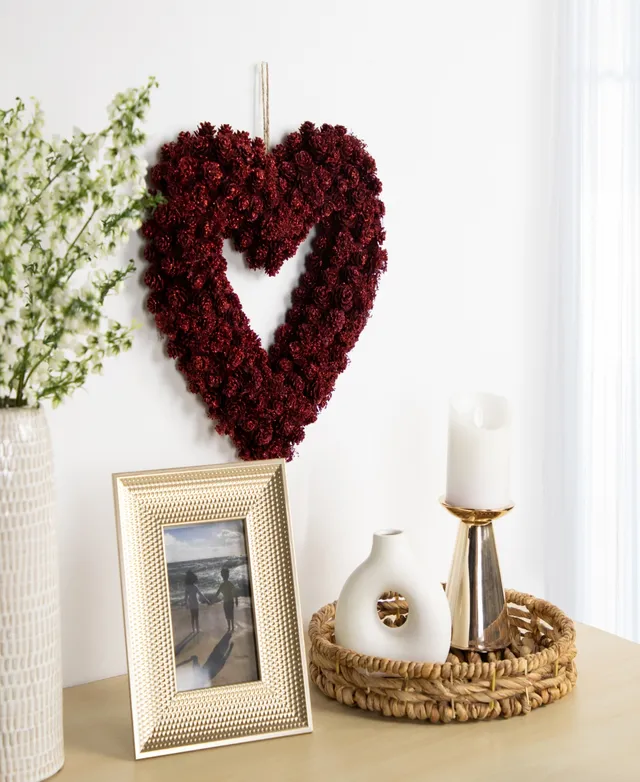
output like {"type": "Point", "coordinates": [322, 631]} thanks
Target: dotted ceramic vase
{"type": "Point", "coordinates": [31, 740]}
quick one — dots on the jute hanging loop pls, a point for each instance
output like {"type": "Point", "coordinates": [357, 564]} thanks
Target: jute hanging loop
{"type": "Point", "coordinates": [264, 95]}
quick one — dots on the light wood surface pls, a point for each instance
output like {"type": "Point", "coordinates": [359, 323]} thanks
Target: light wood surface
{"type": "Point", "coordinates": [593, 735]}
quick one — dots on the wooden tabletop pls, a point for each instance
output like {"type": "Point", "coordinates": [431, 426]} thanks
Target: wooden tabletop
{"type": "Point", "coordinates": [593, 735]}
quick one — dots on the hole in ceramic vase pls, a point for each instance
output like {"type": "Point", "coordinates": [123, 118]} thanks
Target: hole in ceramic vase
{"type": "Point", "coordinates": [393, 609]}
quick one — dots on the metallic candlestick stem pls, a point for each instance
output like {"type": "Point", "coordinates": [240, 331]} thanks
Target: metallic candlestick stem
{"type": "Point", "coordinates": [474, 587]}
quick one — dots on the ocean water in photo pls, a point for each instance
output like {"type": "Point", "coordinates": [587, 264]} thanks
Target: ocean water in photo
{"type": "Point", "coordinates": [209, 577]}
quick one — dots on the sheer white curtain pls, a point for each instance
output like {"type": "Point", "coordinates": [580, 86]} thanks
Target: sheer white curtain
{"type": "Point", "coordinates": [593, 501]}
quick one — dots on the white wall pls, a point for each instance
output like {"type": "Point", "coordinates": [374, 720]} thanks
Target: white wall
{"type": "Point", "coordinates": [451, 100]}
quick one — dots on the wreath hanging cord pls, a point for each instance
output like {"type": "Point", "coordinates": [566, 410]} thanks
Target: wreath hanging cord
{"type": "Point", "coordinates": [264, 99]}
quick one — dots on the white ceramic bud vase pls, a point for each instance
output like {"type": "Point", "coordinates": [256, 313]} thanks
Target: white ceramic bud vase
{"type": "Point", "coordinates": [390, 567]}
{"type": "Point", "coordinates": [31, 740]}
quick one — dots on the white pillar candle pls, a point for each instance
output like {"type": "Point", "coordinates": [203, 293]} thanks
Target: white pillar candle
{"type": "Point", "coordinates": [479, 452]}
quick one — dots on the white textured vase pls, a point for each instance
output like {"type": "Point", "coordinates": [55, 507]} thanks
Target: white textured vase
{"type": "Point", "coordinates": [31, 741]}
{"type": "Point", "coordinates": [390, 567]}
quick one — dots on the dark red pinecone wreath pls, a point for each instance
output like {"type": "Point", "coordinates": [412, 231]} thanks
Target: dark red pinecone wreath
{"type": "Point", "coordinates": [222, 183]}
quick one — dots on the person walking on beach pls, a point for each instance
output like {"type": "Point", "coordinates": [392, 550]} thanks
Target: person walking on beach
{"type": "Point", "coordinates": [229, 597]}
{"type": "Point", "coordinates": [192, 595]}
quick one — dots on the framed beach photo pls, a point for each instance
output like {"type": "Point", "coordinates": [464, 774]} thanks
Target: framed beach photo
{"type": "Point", "coordinates": [211, 604]}
{"type": "Point", "coordinates": [213, 625]}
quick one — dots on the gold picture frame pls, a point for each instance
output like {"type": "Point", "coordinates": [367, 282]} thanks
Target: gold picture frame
{"type": "Point", "coordinates": [150, 507]}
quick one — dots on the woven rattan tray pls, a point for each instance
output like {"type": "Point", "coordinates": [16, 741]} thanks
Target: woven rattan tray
{"type": "Point", "coordinates": [536, 669]}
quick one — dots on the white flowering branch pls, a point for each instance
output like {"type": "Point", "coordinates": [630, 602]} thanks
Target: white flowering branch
{"type": "Point", "coordinates": [65, 207]}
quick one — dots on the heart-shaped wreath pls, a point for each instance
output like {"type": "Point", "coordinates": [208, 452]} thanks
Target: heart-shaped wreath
{"type": "Point", "coordinates": [221, 184]}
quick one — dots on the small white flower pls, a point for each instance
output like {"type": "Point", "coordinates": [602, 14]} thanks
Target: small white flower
{"type": "Point", "coordinates": [11, 244]}
{"type": "Point", "coordinates": [41, 373]}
